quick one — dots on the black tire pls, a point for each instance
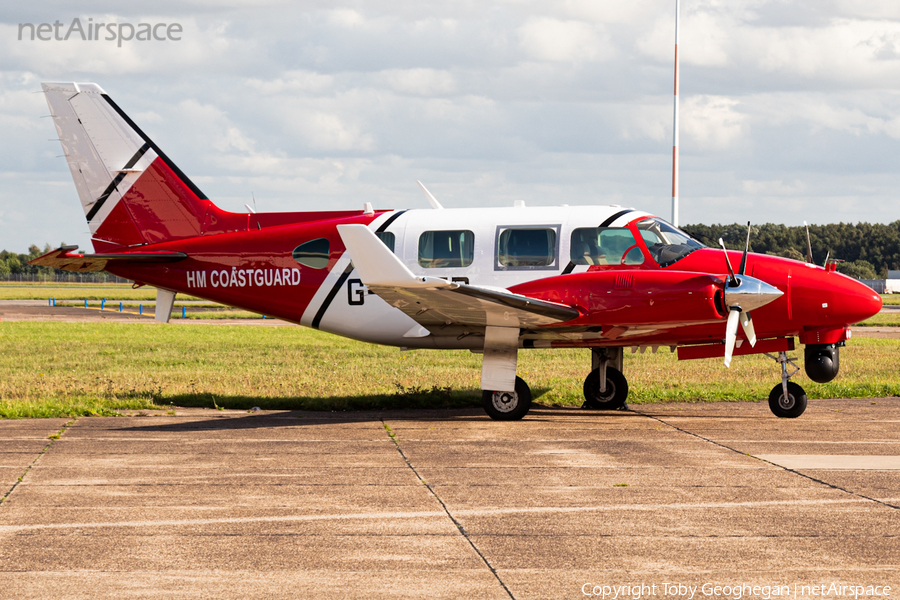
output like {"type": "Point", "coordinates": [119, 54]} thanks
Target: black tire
{"type": "Point", "coordinates": [612, 397]}
{"type": "Point", "coordinates": [508, 406]}
{"type": "Point", "coordinates": [791, 408]}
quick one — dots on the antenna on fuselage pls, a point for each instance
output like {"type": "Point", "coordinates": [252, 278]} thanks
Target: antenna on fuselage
{"type": "Point", "coordinates": [809, 258]}
{"type": "Point", "coordinates": [431, 199]}
{"type": "Point", "coordinates": [675, 127]}
{"type": "Point", "coordinates": [247, 206]}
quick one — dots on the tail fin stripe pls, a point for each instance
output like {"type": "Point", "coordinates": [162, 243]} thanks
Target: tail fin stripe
{"type": "Point", "coordinates": [105, 196]}
{"type": "Point", "coordinates": [156, 149]}
{"type": "Point", "coordinates": [116, 181]}
{"type": "Point", "coordinates": [137, 156]}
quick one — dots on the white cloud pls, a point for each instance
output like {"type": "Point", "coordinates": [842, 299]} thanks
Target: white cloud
{"type": "Point", "coordinates": [555, 40]}
{"type": "Point", "coordinates": [615, 12]}
{"type": "Point", "coordinates": [712, 121]}
{"type": "Point", "coordinates": [774, 188]}
{"type": "Point", "coordinates": [848, 50]}
{"type": "Point", "coordinates": [327, 131]}
{"type": "Point", "coordinates": [644, 118]}
{"type": "Point", "coordinates": [423, 82]}
{"type": "Point", "coordinates": [345, 17]}
{"type": "Point", "coordinates": [704, 39]}
{"type": "Point", "coordinates": [294, 81]}
{"type": "Point", "coordinates": [816, 114]}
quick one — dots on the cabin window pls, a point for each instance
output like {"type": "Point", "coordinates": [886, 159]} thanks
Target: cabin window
{"type": "Point", "coordinates": [604, 246]}
{"type": "Point", "coordinates": [527, 247]}
{"type": "Point", "coordinates": [446, 249]}
{"type": "Point", "coordinates": [312, 254]}
{"type": "Point", "coordinates": [387, 237]}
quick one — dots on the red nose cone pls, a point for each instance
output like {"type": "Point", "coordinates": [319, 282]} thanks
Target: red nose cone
{"type": "Point", "coordinates": [854, 301]}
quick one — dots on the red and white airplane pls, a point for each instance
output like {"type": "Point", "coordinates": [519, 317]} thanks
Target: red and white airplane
{"type": "Point", "coordinates": [487, 280]}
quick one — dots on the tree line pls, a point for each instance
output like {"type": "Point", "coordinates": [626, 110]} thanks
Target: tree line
{"type": "Point", "coordinates": [17, 264]}
{"type": "Point", "coordinates": [867, 250]}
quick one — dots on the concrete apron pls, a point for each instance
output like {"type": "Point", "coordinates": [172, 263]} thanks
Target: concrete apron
{"type": "Point", "coordinates": [663, 500]}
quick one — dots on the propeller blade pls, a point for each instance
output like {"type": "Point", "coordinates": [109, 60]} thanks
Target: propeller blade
{"type": "Point", "coordinates": [827, 256]}
{"type": "Point", "coordinates": [747, 324]}
{"type": "Point", "coordinates": [731, 334]}
{"type": "Point", "coordinates": [808, 245]}
{"type": "Point", "coordinates": [734, 281]}
{"type": "Point", "coordinates": [743, 266]}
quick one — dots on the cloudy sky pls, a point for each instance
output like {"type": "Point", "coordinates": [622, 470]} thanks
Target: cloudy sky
{"type": "Point", "coordinates": [790, 109]}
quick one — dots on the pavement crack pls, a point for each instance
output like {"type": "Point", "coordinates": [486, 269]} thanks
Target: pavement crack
{"type": "Point", "coordinates": [456, 523]}
{"type": "Point", "coordinates": [789, 470]}
{"type": "Point", "coordinates": [52, 437]}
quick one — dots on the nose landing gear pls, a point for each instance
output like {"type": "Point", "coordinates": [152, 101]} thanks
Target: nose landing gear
{"type": "Point", "coordinates": [787, 399]}
{"type": "Point", "coordinates": [605, 387]}
{"type": "Point", "coordinates": [605, 395]}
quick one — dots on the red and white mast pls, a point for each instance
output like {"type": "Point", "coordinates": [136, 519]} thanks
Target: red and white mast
{"type": "Point", "coordinates": [675, 134]}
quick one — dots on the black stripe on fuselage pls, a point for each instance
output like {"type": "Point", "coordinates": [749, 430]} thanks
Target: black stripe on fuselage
{"type": "Point", "coordinates": [613, 218]}
{"type": "Point", "coordinates": [389, 220]}
{"type": "Point", "coordinates": [116, 181]}
{"type": "Point", "coordinates": [569, 268]}
{"type": "Point", "coordinates": [328, 299]}
{"type": "Point", "coordinates": [343, 278]}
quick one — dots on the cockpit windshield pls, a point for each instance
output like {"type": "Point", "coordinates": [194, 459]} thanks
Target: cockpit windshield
{"type": "Point", "coordinates": [667, 244]}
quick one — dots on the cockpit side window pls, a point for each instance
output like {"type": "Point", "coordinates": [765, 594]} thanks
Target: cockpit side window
{"type": "Point", "coordinates": [667, 244]}
{"type": "Point", "coordinates": [387, 237]}
{"type": "Point", "coordinates": [604, 246]}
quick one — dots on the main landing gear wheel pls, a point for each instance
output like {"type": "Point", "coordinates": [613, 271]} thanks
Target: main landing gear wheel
{"type": "Point", "coordinates": [508, 406]}
{"type": "Point", "coordinates": [789, 407]}
{"type": "Point", "coordinates": [612, 397]}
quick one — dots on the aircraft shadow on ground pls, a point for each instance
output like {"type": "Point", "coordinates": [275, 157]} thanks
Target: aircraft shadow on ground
{"type": "Point", "coordinates": [405, 398]}
{"type": "Point", "coordinates": [216, 421]}
{"type": "Point", "coordinates": [362, 409]}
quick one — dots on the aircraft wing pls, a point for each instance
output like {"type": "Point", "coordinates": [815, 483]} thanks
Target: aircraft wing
{"type": "Point", "coordinates": [436, 303]}
{"type": "Point", "coordinates": [63, 258]}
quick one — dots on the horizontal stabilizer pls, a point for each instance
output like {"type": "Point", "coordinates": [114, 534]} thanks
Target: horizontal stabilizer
{"type": "Point", "coordinates": [375, 262]}
{"type": "Point", "coordinates": [63, 258]}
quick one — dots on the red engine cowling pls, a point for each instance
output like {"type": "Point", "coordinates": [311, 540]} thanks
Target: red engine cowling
{"type": "Point", "coordinates": [634, 297]}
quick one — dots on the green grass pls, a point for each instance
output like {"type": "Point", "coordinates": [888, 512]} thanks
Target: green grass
{"type": "Point", "coordinates": [882, 320]}
{"type": "Point", "coordinates": [890, 299]}
{"type": "Point", "coordinates": [219, 314]}
{"type": "Point", "coordinates": [70, 369]}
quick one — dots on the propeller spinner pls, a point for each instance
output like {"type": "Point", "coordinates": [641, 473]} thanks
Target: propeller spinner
{"type": "Point", "coordinates": [742, 295]}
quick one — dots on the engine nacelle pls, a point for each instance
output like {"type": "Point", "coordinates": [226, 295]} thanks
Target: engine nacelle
{"type": "Point", "coordinates": [822, 362]}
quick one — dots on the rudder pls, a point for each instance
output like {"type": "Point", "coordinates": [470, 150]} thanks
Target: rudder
{"type": "Point", "coordinates": [131, 192]}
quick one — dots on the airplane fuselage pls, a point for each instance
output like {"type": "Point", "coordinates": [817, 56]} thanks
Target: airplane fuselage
{"type": "Point", "coordinates": [645, 303]}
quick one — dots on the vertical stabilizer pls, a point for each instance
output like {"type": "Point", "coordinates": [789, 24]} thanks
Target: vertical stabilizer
{"type": "Point", "coordinates": [131, 193]}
